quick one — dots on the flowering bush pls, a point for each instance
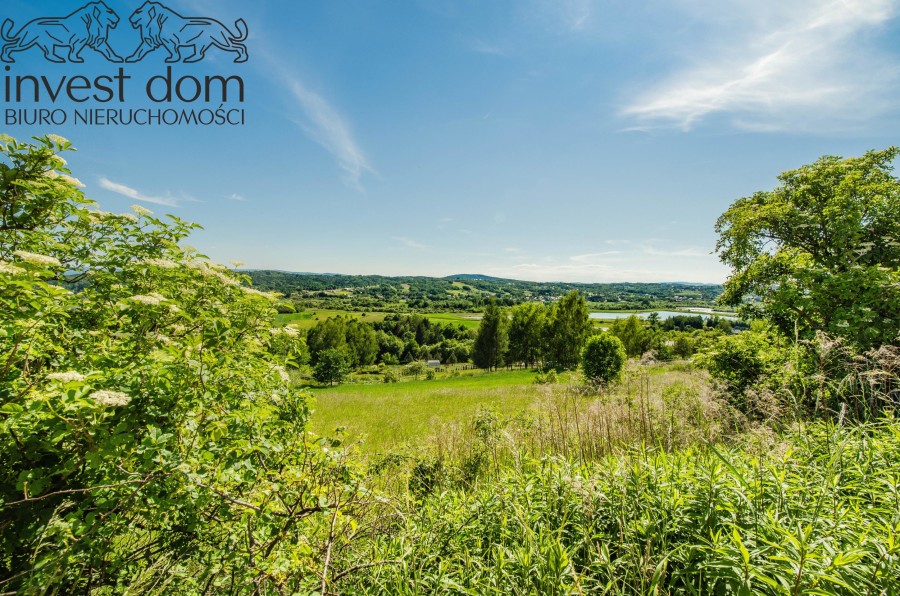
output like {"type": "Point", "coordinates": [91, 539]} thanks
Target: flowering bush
{"type": "Point", "coordinates": [149, 436]}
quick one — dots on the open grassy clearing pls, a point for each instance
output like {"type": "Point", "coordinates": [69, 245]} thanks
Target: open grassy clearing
{"type": "Point", "coordinates": [390, 415]}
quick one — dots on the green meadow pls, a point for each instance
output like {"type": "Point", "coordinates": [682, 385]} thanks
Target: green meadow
{"type": "Point", "coordinates": [386, 415]}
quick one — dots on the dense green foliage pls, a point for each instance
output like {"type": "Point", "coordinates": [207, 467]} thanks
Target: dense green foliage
{"type": "Point", "coordinates": [526, 332]}
{"type": "Point", "coordinates": [603, 358]}
{"type": "Point", "coordinates": [492, 341]}
{"type": "Point", "coordinates": [814, 512]}
{"type": "Point", "coordinates": [149, 437]}
{"type": "Point", "coordinates": [752, 362]}
{"type": "Point", "coordinates": [332, 366]}
{"type": "Point", "coordinates": [568, 326]}
{"type": "Point", "coordinates": [634, 335]}
{"type": "Point", "coordinates": [404, 338]}
{"type": "Point", "coordinates": [821, 251]}
{"type": "Point", "coordinates": [356, 340]}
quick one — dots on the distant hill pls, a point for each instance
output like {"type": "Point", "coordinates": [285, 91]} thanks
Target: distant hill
{"type": "Point", "coordinates": [476, 277]}
{"type": "Point", "coordinates": [470, 291]}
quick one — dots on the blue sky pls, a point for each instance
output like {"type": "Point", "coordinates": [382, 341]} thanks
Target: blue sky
{"type": "Point", "coordinates": [573, 140]}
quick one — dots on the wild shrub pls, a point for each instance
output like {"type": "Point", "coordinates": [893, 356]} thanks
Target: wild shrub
{"type": "Point", "coordinates": [149, 435]}
{"type": "Point", "coordinates": [603, 358]}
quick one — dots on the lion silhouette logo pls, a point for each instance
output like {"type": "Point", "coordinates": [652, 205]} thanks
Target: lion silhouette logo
{"type": "Point", "coordinates": [87, 27]}
{"type": "Point", "coordinates": [161, 26]}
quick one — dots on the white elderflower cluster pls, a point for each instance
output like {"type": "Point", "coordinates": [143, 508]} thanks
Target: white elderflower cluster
{"type": "Point", "coordinates": [161, 263]}
{"type": "Point", "coordinates": [53, 174]}
{"type": "Point", "coordinates": [289, 331]}
{"type": "Point", "coordinates": [58, 139]}
{"type": "Point", "coordinates": [150, 300]}
{"type": "Point", "coordinates": [10, 269]}
{"type": "Point", "coordinates": [97, 217]}
{"type": "Point", "coordinates": [129, 216]}
{"type": "Point", "coordinates": [282, 372]}
{"type": "Point", "coordinates": [35, 259]}
{"type": "Point", "coordinates": [142, 211]}
{"type": "Point", "coordinates": [66, 377]}
{"type": "Point", "coordinates": [258, 293]}
{"type": "Point", "coordinates": [208, 269]}
{"type": "Point", "coordinates": [110, 399]}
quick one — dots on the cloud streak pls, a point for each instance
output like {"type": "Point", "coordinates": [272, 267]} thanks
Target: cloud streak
{"type": "Point", "coordinates": [325, 125]}
{"type": "Point", "coordinates": [409, 242]}
{"type": "Point", "coordinates": [131, 193]}
{"type": "Point", "coordinates": [790, 65]}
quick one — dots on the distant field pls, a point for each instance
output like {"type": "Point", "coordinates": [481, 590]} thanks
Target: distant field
{"type": "Point", "coordinates": [388, 415]}
{"type": "Point", "coordinates": [308, 320]}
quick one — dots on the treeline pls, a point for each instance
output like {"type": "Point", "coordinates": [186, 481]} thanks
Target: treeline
{"type": "Point", "coordinates": [553, 336]}
{"type": "Point", "coordinates": [398, 339]}
{"type": "Point", "coordinates": [528, 334]}
{"type": "Point", "coordinates": [466, 293]}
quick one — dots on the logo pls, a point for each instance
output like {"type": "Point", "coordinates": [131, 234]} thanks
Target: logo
{"type": "Point", "coordinates": [158, 25]}
{"type": "Point", "coordinates": [87, 27]}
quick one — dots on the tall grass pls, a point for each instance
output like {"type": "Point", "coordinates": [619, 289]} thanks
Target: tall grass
{"type": "Point", "coordinates": [653, 406]}
{"type": "Point", "coordinates": [813, 511]}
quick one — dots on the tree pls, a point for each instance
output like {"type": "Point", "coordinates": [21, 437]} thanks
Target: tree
{"type": "Point", "coordinates": [362, 343]}
{"type": "Point", "coordinates": [333, 366]}
{"type": "Point", "coordinates": [568, 325]}
{"type": "Point", "coordinates": [821, 251]}
{"type": "Point", "coordinates": [356, 339]}
{"type": "Point", "coordinates": [603, 358]}
{"type": "Point", "coordinates": [634, 336]}
{"type": "Point", "coordinates": [329, 334]}
{"type": "Point", "coordinates": [492, 340]}
{"type": "Point", "coordinates": [526, 331]}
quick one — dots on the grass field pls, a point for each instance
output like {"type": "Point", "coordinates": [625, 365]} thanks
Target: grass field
{"type": "Point", "coordinates": [308, 320]}
{"type": "Point", "coordinates": [388, 415]}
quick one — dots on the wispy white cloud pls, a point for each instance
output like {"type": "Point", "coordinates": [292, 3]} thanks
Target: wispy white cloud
{"type": "Point", "coordinates": [691, 252]}
{"type": "Point", "coordinates": [408, 242]}
{"type": "Point", "coordinates": [327, 127]}
{"type": "Point", "coordinates": [131, 193]}
{"type": "Point", "coordinates": [570, 15]}
{"type": "Point", "coordinates": [316, 116]}
{"type": "Point", "coordinates": [778, 65]}
{"type": "Point", "coordinates": [594, 256]}
{"type": "Point", "coordinates": [644, 260]}
{"type": "Point", "coordinates": [483, 47]}
{"type": "Point", "coordinates": [235, 197]}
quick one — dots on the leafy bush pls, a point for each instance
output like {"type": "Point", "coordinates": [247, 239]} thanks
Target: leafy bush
{"type": "Point", "coordinates": [603, 358]}
{"type": "Point", "coordinates": [149, 436]}
{"type": "Point", "coordinates": [751, 365]}
{"type": "Point", "coordinates": [548, 378]}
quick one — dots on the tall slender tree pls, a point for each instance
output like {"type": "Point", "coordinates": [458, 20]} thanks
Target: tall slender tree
{"type": "Point", "coordinates": [526, 330]}
{"type": "Point", "coordinates": [568, 327]}
{"type": "Point", "coordinates": [492, 341]}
